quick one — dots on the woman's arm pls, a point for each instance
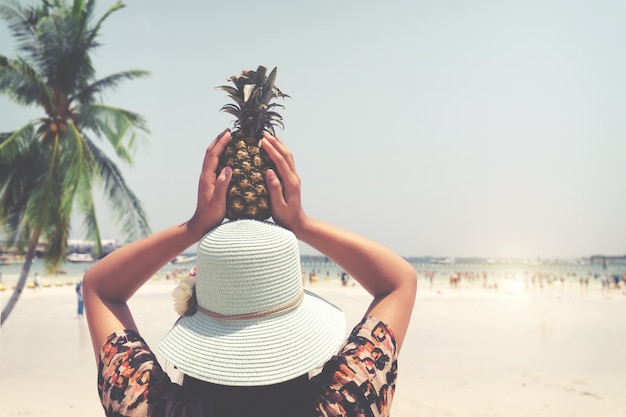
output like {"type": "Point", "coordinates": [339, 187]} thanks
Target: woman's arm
{"type": "Point", "coordinates": [390, 279]}
{"type": "Point", "coordinates": [109, 283]}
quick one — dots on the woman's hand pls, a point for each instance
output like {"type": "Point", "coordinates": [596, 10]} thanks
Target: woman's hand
{"type": "Point", "coordinates": [284, 192]}
{"type": "Point", "coordinates": [211, 205]}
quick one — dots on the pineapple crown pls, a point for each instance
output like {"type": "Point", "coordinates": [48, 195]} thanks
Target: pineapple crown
{"type": "Point", "coordinates": [253, 94]}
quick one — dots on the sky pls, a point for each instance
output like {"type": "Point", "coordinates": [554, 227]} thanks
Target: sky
{"type": "Point", "coordinates": [449, 128]}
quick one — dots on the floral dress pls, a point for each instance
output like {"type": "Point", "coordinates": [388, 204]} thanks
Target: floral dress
{"type": "Point", "coordinates": [358, 381]}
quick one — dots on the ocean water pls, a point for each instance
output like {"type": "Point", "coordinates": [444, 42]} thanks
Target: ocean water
{"type": "Point", "coordinates": [8, 273]}
{"type": "Point", "coordinates": [323, 269]}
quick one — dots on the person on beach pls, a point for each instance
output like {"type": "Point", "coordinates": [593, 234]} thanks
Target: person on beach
{"type": "Point", "coordinates": [250, 340]}
{"type": "Point", "coordinates": [344, 278]}
{"type": "Point", "coordinates": [79, 297]}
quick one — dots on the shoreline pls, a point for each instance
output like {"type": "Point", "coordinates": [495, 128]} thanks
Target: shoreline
{"type": "Point", "coordinates": [470, 351]}
{"type": "Point", "coordinates": [442, 284]}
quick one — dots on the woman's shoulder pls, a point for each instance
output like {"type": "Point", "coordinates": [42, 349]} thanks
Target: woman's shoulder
{"type": "Point", "coordinates": [361, 378]}
{"type": "Point", "coordinates": [123, 336]}
{"type": "Point", "coordinates": [373, 331]}
{"type": "Point", "coordinates": [130, 378]}
{"type": "Point", "coordinates": [123, 342]}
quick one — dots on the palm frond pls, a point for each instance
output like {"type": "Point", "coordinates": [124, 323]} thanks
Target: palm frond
{"type": "Point", "coordinates": [14, 144]}
{"type": "Point", "coordinates": [30, 194]}
{"type": "Point", "coordinates": [22, 23]}
{"type": "Point", "coordinates": [87, 94]}
{"type": "Point", "coordinates": [78, 9]}
{"type": "Point", "coordinates": [45, 197]}
{"type": "Point", "coordinates": [124, 203]}
{"type": "Point", "coordinates": [94, 32]}
{"type": "Point", "coordinates": [16, 231]}
{"type": "Point", "coordinates": [75, 165]}
{"type": "Point", "coordinates": [64, 58]}
{"type": "Point", "coordinates": [46, 211]}
{"type": "Point", "coordinates": [12, 212]}
{"type": "Point", "coordinates": [18, 177]}
{"type": "Point", "coordinates": [21, 82]}
{"type": "Point", "coordinates": [56, 235]}
{"type": "Point", "coordinates": [87, 209]}
{"type": "Point", "coordinates": [122, 128]}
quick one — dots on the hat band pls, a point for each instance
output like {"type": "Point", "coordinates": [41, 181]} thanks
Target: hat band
{"type": "Point", "coordinates": [288, 306]}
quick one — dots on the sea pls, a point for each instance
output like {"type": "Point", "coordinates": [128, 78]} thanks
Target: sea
{"type": "Point", "coordinates": [487, 272]}
{"type": "Point", "coordinates": [75, 270]}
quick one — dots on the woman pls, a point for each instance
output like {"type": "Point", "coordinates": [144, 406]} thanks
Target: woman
{"type": "Point", "coordinates": [249, 345]}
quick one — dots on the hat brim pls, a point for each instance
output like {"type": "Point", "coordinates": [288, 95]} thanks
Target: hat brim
{"type": "Point", "coordinates": [256, 352]}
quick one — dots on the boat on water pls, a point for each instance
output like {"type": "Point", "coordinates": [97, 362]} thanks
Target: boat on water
{"type": "Point", "coordinates": [80, 258]}
{"type": "Point", "coordinates": [183, 259]}
{"type": "Point", "coordinates": [443, 261]}
{"type": "Point", "coordinates": [10, 259]}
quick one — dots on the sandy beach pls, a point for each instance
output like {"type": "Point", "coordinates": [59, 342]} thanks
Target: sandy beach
{"type": "Point", "coordinates": [470, 351]}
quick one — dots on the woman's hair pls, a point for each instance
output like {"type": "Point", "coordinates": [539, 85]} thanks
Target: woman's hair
{"type": "Point", "coordinates": [286, 399]}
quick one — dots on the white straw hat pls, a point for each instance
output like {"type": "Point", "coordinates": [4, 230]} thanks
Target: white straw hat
{"type": "Point", "coordinates": [255, 325]}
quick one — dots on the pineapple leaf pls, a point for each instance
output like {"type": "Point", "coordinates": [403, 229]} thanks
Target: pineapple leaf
{"type": "Point", "coordinates": [231, 91]}
{"type": "Point", "coordinates": [232, 111]}
{"type": "Point", "coordinates": [253, 93]}
{"type": "Point", "coordinates": [278, 93]}
{"type": "Point", "coordinates": [260, 76]}
{"type": "Point", "coordinates": [248, 90]}
{"type": "Point", "coordinates": [231, 106]}
{"type": "Point", "coordinates": [272, 105]}
{"type": "Point", "coordinates": [268, 87]}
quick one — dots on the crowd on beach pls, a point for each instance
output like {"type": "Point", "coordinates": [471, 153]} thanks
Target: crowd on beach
{"type": "Point", "coordinates": [525, 280]}
{"type": "Point", "coordinates": [607, 282]}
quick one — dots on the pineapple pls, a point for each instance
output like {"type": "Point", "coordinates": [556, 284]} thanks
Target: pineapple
{"type": "Point", "coordinates": [253, 93]}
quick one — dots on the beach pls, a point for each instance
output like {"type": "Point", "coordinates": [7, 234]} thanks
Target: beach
{"type": "Point", "coordinates": [471, 349]}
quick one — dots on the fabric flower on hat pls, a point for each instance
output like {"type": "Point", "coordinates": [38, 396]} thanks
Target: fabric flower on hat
{"type": "Point", "coordinates": [183, 295]}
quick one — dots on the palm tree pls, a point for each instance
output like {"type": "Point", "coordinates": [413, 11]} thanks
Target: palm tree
{"type": "Point", "coordinates": [50, 167]}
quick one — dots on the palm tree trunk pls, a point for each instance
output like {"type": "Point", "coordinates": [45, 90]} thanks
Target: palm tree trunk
{"type": "Point", "coordinates": [21, 282]}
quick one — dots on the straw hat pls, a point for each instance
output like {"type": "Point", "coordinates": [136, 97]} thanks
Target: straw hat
{"type": "Point", "coordinates": [255, 325]}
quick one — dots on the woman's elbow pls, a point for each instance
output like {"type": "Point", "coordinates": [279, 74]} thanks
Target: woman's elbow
{"type": "Point", "coordinates": [406, 281]}
{"type": "Point", "coordinates": [91, 287]}
{"type": "Point", "coordinates": [88, 281]}
{"type": "Point", "coordinates": [410, 279]}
